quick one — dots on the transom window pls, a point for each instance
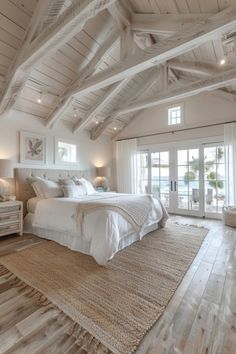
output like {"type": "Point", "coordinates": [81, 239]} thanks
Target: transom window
{"type": "Point", "coordinates": [175, 115]}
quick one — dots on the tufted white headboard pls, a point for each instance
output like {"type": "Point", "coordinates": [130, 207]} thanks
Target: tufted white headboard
{"type": "Point", "coordinates": [24, 176]}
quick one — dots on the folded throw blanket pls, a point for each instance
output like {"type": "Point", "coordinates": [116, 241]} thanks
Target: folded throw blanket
{"type": "Point", "coordinates": [134, 208]}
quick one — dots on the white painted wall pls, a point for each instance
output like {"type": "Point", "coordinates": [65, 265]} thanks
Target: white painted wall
{"type": "Point", "coordinates": [91, 153]}
{"type": "Point", "coordinates": [203, 109]}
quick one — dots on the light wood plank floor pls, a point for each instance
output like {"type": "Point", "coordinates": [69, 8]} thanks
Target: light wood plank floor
{"type": "Point", "coordinates": [200, 318]}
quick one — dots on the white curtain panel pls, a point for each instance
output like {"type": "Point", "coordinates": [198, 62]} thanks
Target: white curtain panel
{"type": "Point", "coordinates": [230, 163]}
{"type": "Point", "coordinates": [126, 166]}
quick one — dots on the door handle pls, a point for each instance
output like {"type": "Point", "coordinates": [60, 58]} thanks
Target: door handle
{"type": "Point", "coordinates": [175, 186]}
{"type": "Point", "coordinates": [171, 186]}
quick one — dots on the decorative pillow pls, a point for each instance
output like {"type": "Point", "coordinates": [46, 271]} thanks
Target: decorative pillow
{"type": "Point", "coordinates": [37, 190]}
{"type": "Point", "coordinates": [66, 182]}
{"type": "Point", "coordinates": [74, 191]}
{"type": "Point", "coordinates": [88, 185]}
{"type": "Point", "coordinates": [45, 188]}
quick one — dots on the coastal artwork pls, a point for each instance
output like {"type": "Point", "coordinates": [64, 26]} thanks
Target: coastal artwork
{"type": "Point", "coordinates": [32, 148]}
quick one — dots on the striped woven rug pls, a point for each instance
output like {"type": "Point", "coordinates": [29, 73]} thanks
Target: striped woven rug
{"type": "Point", "coordinates": [117, 304]}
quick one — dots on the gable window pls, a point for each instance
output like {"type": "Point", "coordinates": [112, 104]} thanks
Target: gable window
{"type": "Point", "coordinates": [175, 114]}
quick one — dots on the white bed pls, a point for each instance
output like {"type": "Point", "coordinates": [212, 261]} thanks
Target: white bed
{"type": "Point", "coordinates": [105, 232]}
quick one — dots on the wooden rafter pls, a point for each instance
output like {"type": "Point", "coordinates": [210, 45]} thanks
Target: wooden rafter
{"type": "Point", "coordinates": [125, 48]}
{"type": "Point", "coordinates": [197, 67]}
{"type": "Point", "coordinates": [61, 31]}
{"type": "Point", "coordinates": [162, 51]}
{"type": "Point", "coordinates": [218, 81]}
{"type": "Point", "coordinates": [164, 23]}
{"type": "Point", "coordinates": [121, 16]}
{"type": "Point", "coordinates": [150, 78]}
{"type": "Point", "coordinates": [66, 98]}
{"type": "Point", "coordinates": [110, 94]}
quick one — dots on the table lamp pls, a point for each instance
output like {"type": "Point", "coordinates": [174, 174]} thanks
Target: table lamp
{"type": "Point", "coordinates": [6, 172]}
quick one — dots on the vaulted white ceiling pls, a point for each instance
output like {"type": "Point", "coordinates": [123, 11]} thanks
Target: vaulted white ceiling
{"type": "Point", "coordinates": [97, 63]}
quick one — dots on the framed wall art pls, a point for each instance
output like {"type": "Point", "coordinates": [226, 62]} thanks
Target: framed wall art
{"type": "Point", "coordinates": [32, 148]}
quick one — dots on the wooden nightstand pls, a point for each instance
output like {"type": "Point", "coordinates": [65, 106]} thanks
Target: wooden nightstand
{"type": "Point", "coordinates": [11, 218]}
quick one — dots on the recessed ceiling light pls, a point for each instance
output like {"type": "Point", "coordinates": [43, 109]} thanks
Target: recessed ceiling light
{"type": "Point", "coordinates": [75, 113]}
{"type": "Point", "coordinates": [97, 122]}
{"type": "Point", "coordinates": [39, 99]}
{"type": "Point", "coordinates": [223, 61]}
{"type": "Point", "coordinates": [115, 128]}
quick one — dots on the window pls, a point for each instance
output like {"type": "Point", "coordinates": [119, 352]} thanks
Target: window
{"type": "Point", "coordinates": [65, 152]}
{"type": "Point", "coordinates": [175, 115]}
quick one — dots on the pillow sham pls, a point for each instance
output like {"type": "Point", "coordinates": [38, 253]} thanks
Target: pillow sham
{"type": "Point", "coordinates": [66, 182]}
{"type": "Point", "coordinates": [45, 188]}
{"type": "Point", "coordinates": [88, 185]}
{"type": "Point", "coordinates": [74, 191]}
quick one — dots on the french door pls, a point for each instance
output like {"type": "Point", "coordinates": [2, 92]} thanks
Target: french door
{"type": "Point", "coordinates": [189, 181]}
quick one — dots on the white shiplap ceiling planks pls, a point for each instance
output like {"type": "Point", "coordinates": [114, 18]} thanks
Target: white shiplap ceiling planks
{"type": "Point", "coordinates": [90, 52]}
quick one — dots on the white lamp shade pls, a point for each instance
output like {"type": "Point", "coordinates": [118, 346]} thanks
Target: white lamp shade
{"type": "Point", "coordinates": [101, 171]}
{"type": "Point", "coordinates": [104, 171]}
{"type": "Point", "coordinates": [6, 170]}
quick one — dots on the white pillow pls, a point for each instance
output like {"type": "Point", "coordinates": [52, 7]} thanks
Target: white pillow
{"type": "Point", "coordinates": [45, 188]}
{"type": "Point", "coordinates": [88, 185]}
{"type": "Point", "coordinates": [66, 182]}
{"type": "Point", "coordinates": [74, 191]}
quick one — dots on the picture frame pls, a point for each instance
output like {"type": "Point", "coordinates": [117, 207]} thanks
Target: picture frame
{"type": "Point", "coordinates": [32, 148]}
{"type": "Point", "coordinates": [65, 152]}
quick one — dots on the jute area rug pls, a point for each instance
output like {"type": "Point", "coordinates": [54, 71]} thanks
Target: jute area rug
{"type": "Point", "coordinates": [118, 303]}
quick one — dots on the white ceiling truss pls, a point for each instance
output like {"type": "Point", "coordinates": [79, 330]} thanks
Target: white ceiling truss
{"type": "Point", "coordinates": [96, 63]}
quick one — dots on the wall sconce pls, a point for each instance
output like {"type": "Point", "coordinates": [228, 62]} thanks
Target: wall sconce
{"type": "Point", "coordinates": [6, 172]}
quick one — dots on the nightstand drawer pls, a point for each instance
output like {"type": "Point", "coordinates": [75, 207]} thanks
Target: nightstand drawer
{"type": "Point", "coordinates": [11, 218]}
{"type": "Point", "coordinates": [5, 217]}
{"type": "Point", "coordinates": [9, 208]}
{"type": "Point", "coordinates": [9, 229]}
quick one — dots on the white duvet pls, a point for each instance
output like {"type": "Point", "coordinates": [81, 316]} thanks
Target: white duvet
{"type": "Point", "coordinates": [103, 229]}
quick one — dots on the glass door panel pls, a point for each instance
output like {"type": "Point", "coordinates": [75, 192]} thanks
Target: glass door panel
{"type": "Point", "coordinates": [160, 176]}
{"type": "Point", "coordinates": [214, 179]}
{"type": "Point", "coordinates": [187, 185]}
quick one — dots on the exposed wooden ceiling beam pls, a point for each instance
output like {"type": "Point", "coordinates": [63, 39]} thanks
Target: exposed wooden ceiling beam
{"type": "Point", "coordinates": [150, 78]}
{"type": "Point", "coordinates": [66, 98]}
{"type": "Point", "coordinates": [61, 31]}
{"type": "Point", "coordinates": [54, 8]}
{"type": "Point", "coordinates": [121, 15]}
{"type": "Point", "coordinates": [110, 94]}
{"type": "Point", "coordinates": [8, 98]}
{"type": "Point", "coordinates": [70, 23]}
{"type": "Point", "coordinates": [218, 81]}
{"type": "Point", "coordinates": [198, 67]}
{"type": "Point", "coordinates": [164, 50]}
{"type": "Point", "coordinates": [126, 47]}
{"type": "Point", "coordinates": [164, 23]}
